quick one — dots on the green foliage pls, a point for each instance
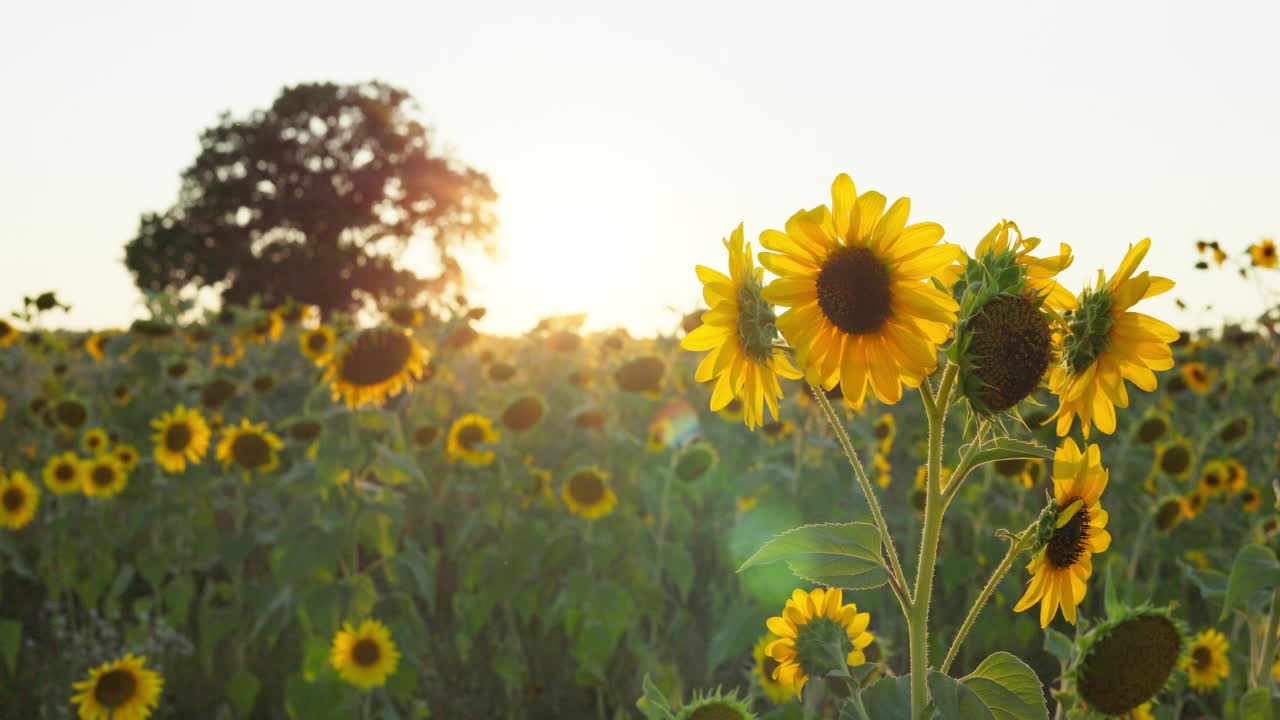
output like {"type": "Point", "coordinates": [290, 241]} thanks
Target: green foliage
{"type": "Point", "coordinates": [846, 556]}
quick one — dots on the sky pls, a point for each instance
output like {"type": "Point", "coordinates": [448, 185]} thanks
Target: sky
{"type": "Point", "coordinates": [626, 140]}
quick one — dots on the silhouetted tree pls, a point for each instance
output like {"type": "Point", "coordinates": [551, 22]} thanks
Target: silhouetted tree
{"type": "Point", "coordinates": [315, 199]}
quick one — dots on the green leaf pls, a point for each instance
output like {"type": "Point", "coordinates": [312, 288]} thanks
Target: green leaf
{"type": "Point", "coordinates": [1256, 704]}
{"type": "Point", "coordinates": [10, 640]}
{"type": "Point", "coordinates": [846, 556]}
{"type": "Point", "coordinates": [653, 703]}
{"type": "Point", "coordinates": [1255, 570]}
{"type": "Point", "coordinates": [1211, 583]}
{"type": "Point", "coordinates": [242, 691]}
{"type": "Point", "coordinates": [1002, 688]}
{"type": "Point", "coordinates": [890, 697]}
{"type": "Point", "coordinates": [1058, 645]}
{"type": "Point", "coordinates": [1010, 449]}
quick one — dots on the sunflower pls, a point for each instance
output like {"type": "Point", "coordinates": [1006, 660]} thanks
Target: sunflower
{"type": "Point", "coordinates": [404, 315]}
{"type": "Point", "coordinates": [539, 485]}
{"type": "Point", "coordinates": [121, 394]}
{"type": "Point", "coordinates": [738, 331]}
{"type": "Point", "coordinates": [1236, 430]}
{"type": "Point", "coordinates": [1213, 477]}
{"type": "Point", "coordinates": [1032, 472]}
{"type": "Point", "coordinates": [1237, 475]}
{"type": "Point", "coordinates": [425, 435]}
{"type": "Point", "coordinates": [884, 474]}
{"type": "Point", "coordinates": [1263, 255]}
{"type": "Point", "coordinates": [1193, 504]}
{"type": "Point", "coordinates": [8, 334]}
{"type": "Point", "coordinates": [1250, 500]}
{"type": "Point", "coordinates": [732, 411]}
{"type": "Point", "coordinates": [251, 447]}
{"type": "Point", "coordinates": [18, 500]}
{"type": "Point", "coordinates": [1170, 512]}
{"type": "Point", "coordinates": [127, 455]}
{"type": "Point", "coordinates": [776, 432]}
{"type": "Point", "coordinates": [524, 413]}
{"type": "Point", "coordinates": [181, 436]}
{"type": "Point", "coordinates": [501, 372]}
{"type": "Point", "coordinates": [366, 656]}
{"type": "Point", "coordinates": [1175, 458]}
{"type": "Point", "coordinates": [884, 431]}
{"type": "Point", "coordinates": [1199, 377]}
{"type": "Point", "coordinates": [1151, 428]}
{"type": "Point", "coordinates": [817, 634]}
{"type": "Point", "coordinates": [858, 282]}
{"type": "Point", "coordinates": [587, 493]}
{"type": "Point", "coordinates": [695, 460]}
{"type": "Point", "coordinates": [103, 476]}
{"type": "Point", "coordinates": [466, 437]}
{"type": "Point", "coordinates": [95, 343]}
{"type": "Point", "coordinates": [644, 374]}
{"type": "Point", "coordinates": [229, 355]}
{"type": "Point", "coordinates": [94, 441]}
{"type": "Point", "coordinates": [659, 435]}
{"type": "Point", "coordinates": [1106, 344]}
{"type": "Point", "coordinates": [375, 364]}
{"type": "Point", "coordinates": [121, 690]}
{"type": "Point", "coordinates": [1206, 662]}
{"type": "Point", "coordinates": [1071, 530]}
{"type": "Point", "coordinates": [1126, 660]}
{"type": "Point", "coordinates": [62, 474]}
{"type": "Point", "coordinates": [70, 413]}
{"type": "Point", "coordinates": [267, 326]}
{"type": "Point", "coordinates": [317, 344]}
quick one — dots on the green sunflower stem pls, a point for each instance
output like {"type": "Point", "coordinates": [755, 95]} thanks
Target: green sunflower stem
{"type": "Point", "coordinates": [918, 618]}
{"type": "Point", "coordinates": [1016, 546]}
{"type": "Point", "coordinates": [897, 578]}
{"type": "Point", "coordinates": [1259, 675]}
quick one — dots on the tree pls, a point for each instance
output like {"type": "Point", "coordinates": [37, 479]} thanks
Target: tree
{"type": "Point", "coordinates": [315, 199]}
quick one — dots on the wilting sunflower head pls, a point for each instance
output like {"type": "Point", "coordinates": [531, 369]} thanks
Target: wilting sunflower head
{"type": "Point", "coordinates": [62, 474]}
{"type": "Point", "coordinates": [375, 364]}
{"type": "Point", "coordinates": [1151, 429]}
{"type": "Point", "coordinates": [1175, 458]}
{"type": "Point", "coordinates": [524, 413]}
{"type": "Point", "coordinates": [695, 461]}
{"type": "Point", "coordinates": [103, 476]}
{"type": "Point", "coordinates": [715, 706]}
{"type": "Point", "coordinates": [424, 435]}
{"type": "Point", "coordinates": [859, 285]}
{"type": "Point", "coordinates": [1071, 529]}
{"type": "Point", "coordinates": [817, 634]}
{"type": "Point", "coordinates": [1236, 430]}
{"type": "Point", "coordinates": [469, 438]}
{"type": "Point", "coordinates": [1206, 662]}
{"type": "Point", "coordinates": [124, 688]}
{"type": "Point", "coordinates": [1105, 345]}
{"type": "Point", "coordinates": [365, 656]}
{"type": "Point", "coordinates": [1127, 660]}
{"type": "Point", "coordinates": [739, 331]}
{"type": "Point", "coordinates": [70, 413]}
{"type": "Point", "coordinates": [18, 500]}
{"type": "Point", "coordinates": [587, 493]}
{"type": "Point", "coordinates": [250, 447]}
{"type": "Point", "coordinates": [181, 436]}
{"type": "Point", "coordinates": [1169, 513]}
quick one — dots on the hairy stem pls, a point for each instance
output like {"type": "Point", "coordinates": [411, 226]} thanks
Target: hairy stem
{"type": "Point", "coordinates": [1016, 545]}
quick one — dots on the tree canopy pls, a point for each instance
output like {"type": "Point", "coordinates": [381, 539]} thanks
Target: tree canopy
{"type": "Point", "coordinates": [315, 198]}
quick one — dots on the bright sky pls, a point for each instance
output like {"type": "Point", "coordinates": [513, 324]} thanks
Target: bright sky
{"type": "Point", "coordinates": [627, 139]}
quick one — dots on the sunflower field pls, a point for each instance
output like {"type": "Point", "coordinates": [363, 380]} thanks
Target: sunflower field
{"type": "Point", "coordinates": [265, 513]}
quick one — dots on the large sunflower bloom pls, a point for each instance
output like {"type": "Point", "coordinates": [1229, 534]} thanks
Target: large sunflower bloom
{"type": "Point", "coordinates": [1106, 345]}
{"type": "Point", "coordinates": [817, 633]}
{"type": "Point", "coordinates": [181, 437]}
{"type": "Point", "coordinates": [62, 474]}
{"type": "Point", "coordinates": [468, 437]}
{"type": "Point", "coordinates": [375, 364]}
{"type": "Point", "coordinates": [857, 279]}
{"type": "Point", "coordinates": [251, 447]}
{"type": "Point", "coordinates": [1071, 531]}
{"type": "Point", "coordinates": [121, 690]}
{"type": "Point", "coordinates": [1206, 662]}
{"type": "Point", "coordinates": [739, 331]}
{"type": "Point", "coordinates": [364, 656]}
{"type": "Point", "coordinates": [18, 500]}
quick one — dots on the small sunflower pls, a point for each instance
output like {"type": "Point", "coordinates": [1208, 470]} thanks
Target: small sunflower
{"type": "Point", "coordinates": [62, 474]}
{"type": "Point", "coordinates": [643, 374]}
{"type": "Point", "coordinates": [1213, 477]}
{"type": "Point", "coordinates": [1262, 254]}
{"type": "Point", "coordinates": [267, 326]}
{"type": "Point", "coordinates": [70, 413]}
{"type": "Point", "coordinates": [375, 364]}
{"type": "Point", "coordinates": [859, 284]}
{"type": "Point", "coordinates": [501, 372]}
{"type": "Point", "coordinates": [817, 633]}
{"type": "Point", "coordinates": [103, 476]}
{"type": "Point", "coordinates": [8, 334]}
{"type": "Point", "coordinates": [884, 471]}
{"type": "Point", "coordinates": [1250, 500]}
{"type": "Point", "coordinates": [539, 485]}
{"type": "Point", "coordinates": [94, 441]}
{"type": "Point", "coordinates": [1193, 504]}
{"type": "Point", "coordinates": [715, 706]}
{"type": "Point", "coordinates": [317, 344]}
{"type": "Point", "coordinates": [1175, 458]}
{"type": "Point", "coordinates": [1206, 662]}
{"type": "Point", "coordinates": [425, 435]}
{"type": "Point", "coordinates": [732, 411]}
{"type": "Point", "coordinates": [884, 431]}
{"type": "Point", "coordinates": [1151, 429]}
{"type": "Point", "coordinates": [468, 437]}
{"type": "Point", "coordinates": [1236, 430]}
{"type": "Point", "coordinates": [739, 332]}
{"type": "Point", "coordinates": [365, 656]}
{"type": "Point", "coordinates": [251, 447]}
{"type": "Point", "coordinates": [1106, 344]}
{"type": "Point", "coordinates": [587, 493]}
{"type": "Point", "coordinates": [1237, 475]}
{"type": "Point", "coordinates": [776, 432]}
{"type": "Point", "coordinates": [524, 413]}
{"type": "Point", "coordinates": [1032, 473]}
{"type": "Point", "coordinates": [18, 500]}
{"type": "Point", "coordinates": [121, 690]}
{"type": "Point", "coordinates": [228, 355]}
{"type": "Point", "coordinates": [1199, 377]}
{"type": "Point", "coordinates": [404, 315]}
{"type": "Point", "coordinates": [127, 455]}
{"type": "Point", "coordinates": [181, 437]}
{"type": "Point", "coordinates": [1071, 530]}
{"type": "Point", "coordinates": [121, 394]}
{"type": "Point", "coordinates": [1170, 513]}
{"type": "Point", "coordinates": [95, 344]}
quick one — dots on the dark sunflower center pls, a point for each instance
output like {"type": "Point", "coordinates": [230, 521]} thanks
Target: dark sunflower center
{"type": "Point", "coordinates": [13, 499]}
{"type": "Point", "coordinates": [1175, 460]}
{"type": "Point", "coordinates": [587, 488]}
{"type": "Point", "coordinates": [94, 441]}
{"type": "Point", "coordinates": [305, 430]}
{"type": "Point", "coordinates": [1011, 349]}
{"type": "Point", "coordinates": [853, 290]}
{"type": "Point", "coordinates": [1234, 430]}
{"type": "Point", "coordinates": [250, 450]}
{"type": "Point", "coordinates": [881, 430]}
{"type": "Point", "coordinates": [1250, 496]}
{"type": "Point", "coordinates": [317, 341]}
{"type": "Point", "coordinates": [1129, 663]}
{"type": "Point", "coordinates": [716, 711]}
{"type": "Point", "coordinates": [1201, 658]}
{"type": "Point", "coordinates": [375, 357]}
{"type": "Point", "coordinates": [470, 436]}
{"type": "Point", "coordinates": [1212, 480]}
{"type": "Point", "coordinates": [366, 652]}
{"type": "Point", "coordinates": [102, 475]}
{"type": "Point", "coordinates": [216, 392]}
{"type": "Point", "coordinates": [177, 437]}
{"type": "Point", "coordinates": [121, 391]}
{"type": "Point", "coordinates": [772, 429]}
{"type": "Point", "coordinates": [115, 688]}
{"type": "Point", "coordinates": [1070, 541]}
{"type": "Point", "coordinates": [5, 328]}
{"type": "Point", "coordinates": [1197, 374]}
{"type": "Point", "coordinates": [64, 472]}
{"type": "Point", "coordinates": [1151, 429]}
{"type": "Point", "coordinates": [401, 315]}
{"type": "Point", "coordinates": [501, 372]}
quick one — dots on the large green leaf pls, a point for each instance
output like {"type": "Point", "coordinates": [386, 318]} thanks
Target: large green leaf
{"type": "Point", "coordinates": [1256, 704]}
{"type": "Point", "coordinates": [1010, 449]}
{"type": "Point", "coordinates": [890, 697]}
{"type": "Point", "coordinates": [1255, 573]}
{"type": "Point", "coordinates": [846, 555]}
{"type": "Point", "coordinates": [242, 690]}
{"type": "Point", "coordinates": [1001, 688]}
